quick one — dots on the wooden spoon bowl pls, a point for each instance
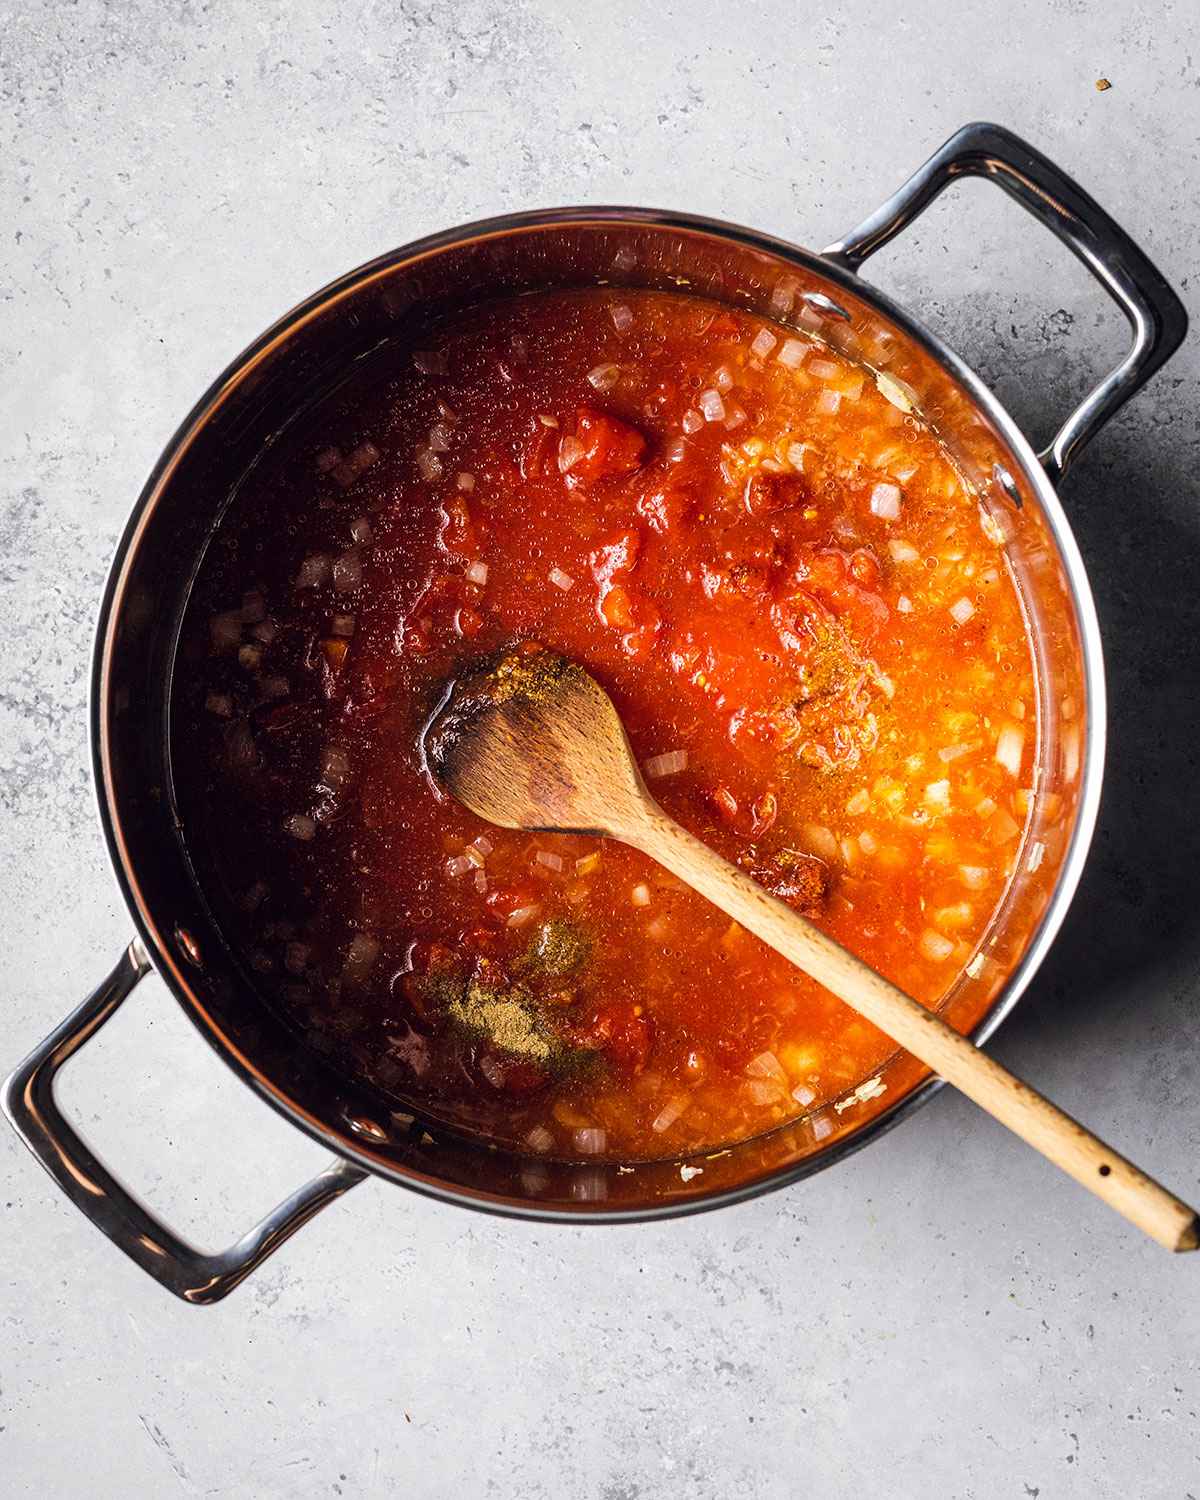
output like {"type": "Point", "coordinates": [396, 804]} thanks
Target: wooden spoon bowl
{"type": "Point", "coordinates": [531, 740]}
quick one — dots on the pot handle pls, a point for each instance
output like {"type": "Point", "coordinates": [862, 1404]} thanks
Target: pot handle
{"type": "Point", "coordinates": [191, 1274]}
{"type": "Point", "coordinates": [1155, 313]}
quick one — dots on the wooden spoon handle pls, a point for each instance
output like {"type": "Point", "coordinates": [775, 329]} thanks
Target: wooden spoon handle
{"type": "Point", "coordinates": [957, 1059]}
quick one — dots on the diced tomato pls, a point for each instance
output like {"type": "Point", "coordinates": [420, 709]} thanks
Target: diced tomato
{"type": "Point", "coordinates": [623, 1031]}
{"type": "Point", "coordinates": [864, 568]}
{"type": "Point", "coordinates": [434, 613]}
{"type": "Point", "coordinates": [617, 555]}
{"type": "Point", "coordinates": [725, 803]}
{"type": "Point", "coordinates": [468, 622]}
{"type": "Point", "coordinates": [616, 608]}
{"type": "Point", "coordinates": [539, 456]}
{"type": "Point", "coordinates": [506, 899]}
{"type": "Point", "coordinates": [666, 508]}
{"type": "Point", "coordinates": [800, 880]}
{"type": "Point", "coordinates": [511, 1075]}
{"type": "Point", "coordinates": [458, 534]}
{"type": "Point", "coordinates": [766, 492]}
{"type": "Point", "coordinates": [610, 447]}
{"type": "Point", "coordinates": [751, 821]}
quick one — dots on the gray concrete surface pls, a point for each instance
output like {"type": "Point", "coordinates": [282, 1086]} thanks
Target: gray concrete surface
{"type": "Point", "coordinates": [943, 1316]}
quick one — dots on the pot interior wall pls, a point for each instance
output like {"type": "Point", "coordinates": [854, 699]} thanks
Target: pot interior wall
{"type": "Point", "coordinates": [311, 352]}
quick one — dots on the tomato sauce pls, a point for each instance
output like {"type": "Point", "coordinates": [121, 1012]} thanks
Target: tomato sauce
{"type": "Point", "coordinates": [789, 591]}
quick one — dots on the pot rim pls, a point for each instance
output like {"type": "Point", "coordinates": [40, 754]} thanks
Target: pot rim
{"type": "Point", "coordinates": [140, 908]}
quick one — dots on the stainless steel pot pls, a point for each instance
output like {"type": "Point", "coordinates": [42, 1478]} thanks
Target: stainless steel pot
{"type": "Point", "coordinates": [306, 354]}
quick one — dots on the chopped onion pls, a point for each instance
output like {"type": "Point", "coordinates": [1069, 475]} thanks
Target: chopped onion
{"type": "Point", "coordinates": [1037, 852]}
{"type": "Point", "coordinates": [795, 455]}
{"type": "Point", "coordinates": [976, 967]}
{"type": "Point", "coordinates": [669, 1113]}
{"type": "Point", "coordinates": [347, 571]}
{"type": "Point", "coordinates": [480, 881]}
{"type": "Point", "coordinates": [250, 657]}
{"type": "Point", "coordinates": [867, 842]}
{"type": "Point", "coordinates": [314, 570]}
{"type": "Point", "coordinates": [300, 826]}
{"type": "Point", "coordinates": [355, 464]}
{"type": "Point", "coordinates": [604, 377]}
{"type": "Point", "coordinates": [335, 767]}
{"type": "Point", "coordinates": [640, 895]}
{"type": "Point", "coordinates": [459, 866]}
{"type": "Point", "coordinates": [225, 629]}
{"type": "Point", "coordinates": [523, 915]}
{"type": "Point", "coordinates": [711, 406]}
{"type": "Point", "coordinates": [782, 298]}
{"type": "Point", "coordinates": [668, 764]}
{"type": "Point", "coordinates": [974, 877]}
{"type": "Point", "coordinates": [803, 1095]}
{"type": "Point", "coordinates": [327, 459]}
{"type": "Point", "coordinates": [934, 946]}
{"type": "Point", "coordinates": [766, 1065]}
{"type": "Point", "coordinates": [547, 420]}
{"type": "Point", "coordinates": [904, 605]}
{"type": "Point", "coordinates": [622, 316]}
{"type": "Point", "coordinates": [561, 580]}
{"type": "Point", "coordinates": [827, 403]}
{"type": "Point", "coordinates": [539, 1139]}
{"type": "Point", "coordinates": [859, 803]}
{"type": "Point", "coordinates": [551, 861]}
{"type": "Point", "coordinates": [824, 369]}
{"type": "Point", "coordinates": [465, 482]}
{"type": "Point", "coordinates": [1010, 747]}
{"type": "Point", "coordinates": [483, 844]}
{"type": "Point", "coordinates": [821, 1127]}
{"type": "Point", "coordinates": [570, 451]}
{"type": "Point", "coordinates": [438, 440]}
{"type": "Point", "coordinates": [360, 531]}
{"type": "Point", "coordinates": [591, 1140]}
{"type": "Point", "coordinates": [791, 353]}
{"type": "Point", "coordinates": [962, 610]}
{"type": "Point", "coordinates": [821, 841]}
{"type": "Point", "coordinates": [1003, 828]}
{"type": "Point", "coordinates": [360, 959]}
{"type": "Point", "coordinates": [763, 342]}
{"type": "Point", "coordinates": [902, 551]}
{"type": "Point", "coordinates": [473, 854]}
{"type": "Point", "coordinates": [885, 501]}
{"type": "Point", "coordinates": [692, 421]}
{"type": "Point", "coordinates": [587, 864]}
{"type": "Point", "coordinates": [952, 752]}
{"type": "Point", "coordinates": [937, 794]}
{"type": "Point", "coordinates": [855, 388]}
{"type": "Point", "coordinates": [429, 465]}
{"type": "Point", "coordinates": [478, 573]}
{"type": "Point", "coordinates": [342, 625]}
{"type": "Point", "coordinates": [766, 1091]}
{"type": "Point", "coordinates": [734, 417]}
{"type": "Point", "coordinates": [722, 379]}
{"type": "Point", "coordinates": [220, 704]}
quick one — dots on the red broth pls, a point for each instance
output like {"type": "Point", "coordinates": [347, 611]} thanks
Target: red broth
{"type": "Point", "coordinates": [820, 658]}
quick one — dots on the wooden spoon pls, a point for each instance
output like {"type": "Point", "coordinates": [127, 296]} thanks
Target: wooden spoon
{"type": "Point", "coordinates": [532, 741]}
